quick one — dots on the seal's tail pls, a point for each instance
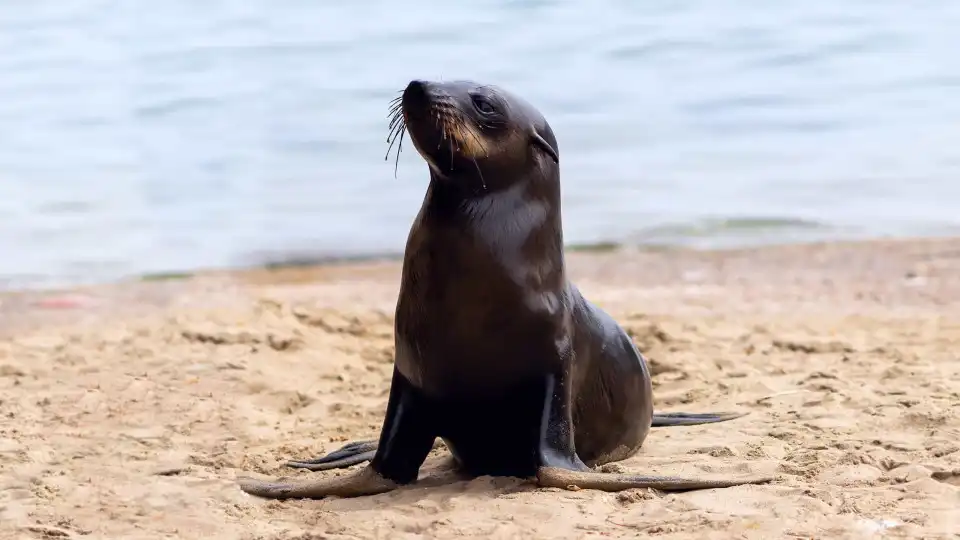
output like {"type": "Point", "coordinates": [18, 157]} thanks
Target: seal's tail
{"type": "Point", "coordinates": [692, 419]}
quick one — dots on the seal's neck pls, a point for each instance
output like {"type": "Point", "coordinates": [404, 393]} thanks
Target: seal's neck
{"type": "Point", "coordinates": [469, 184]}
{"type": "Point", "coordinates": [529, 208]}
{"type": "Point", "coordinates": [461, 185]}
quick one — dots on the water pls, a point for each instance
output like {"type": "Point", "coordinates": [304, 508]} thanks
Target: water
{"type": "Point", "coordinates": [162, 136]}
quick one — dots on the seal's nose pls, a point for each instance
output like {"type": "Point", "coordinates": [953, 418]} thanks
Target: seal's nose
{"type": "Point", "coordinates": [416, 93]}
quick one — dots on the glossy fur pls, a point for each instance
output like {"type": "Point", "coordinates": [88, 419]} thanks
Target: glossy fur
{"type": "Point", "coordinates": [497, 352]}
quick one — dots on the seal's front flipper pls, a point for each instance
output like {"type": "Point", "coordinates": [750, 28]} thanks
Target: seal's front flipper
{"type": "Point", "coordinates": [692, 419]}
{"type": "Point", "coordinates": [406, 437]}
{"type": "Point", "coordinates": [364, 482]}
{"type": "Point", "coordinates": [343, 457]}
{"type": "Point", "coordinates": [565, 478]}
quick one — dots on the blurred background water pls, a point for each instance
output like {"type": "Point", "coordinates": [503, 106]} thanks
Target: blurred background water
{"type": "Point", "coordinates": [162, 136]}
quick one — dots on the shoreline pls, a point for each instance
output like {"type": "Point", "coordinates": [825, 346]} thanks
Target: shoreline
{"type": "Point", "coordinates": [305, 260]}
{"type": "Point", "coordinates": [710, 235]}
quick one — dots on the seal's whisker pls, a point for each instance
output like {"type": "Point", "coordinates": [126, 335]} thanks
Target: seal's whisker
{"type": "Point", "coordinates": [395, 139]}
{"type": "Point", "coordinates": [394, 109]}
{"type": "Point", "coordinates": [396, 119]}
{"type": "Point", "coordinates": [394, 132]}
{"type": "Point", "coordinates": [390, 147]}
{"type": "Point", "coordinates": [396, 128]}
{"type": "Point", "coordinates": [450, 129]}
{"type": "Point", "coordinates": [450, 122]}
{"type": "Point", "coordinates": [399, 141]}
{"type": "Point", "coordinates": [449, 125]}
{"type": "Point", "coordinates": [396, 116]}
{"type": "Point", "coordinates": [443, 120]}
{"type": "Point", "coordinates": [479, 143]}
{"type": "Point", "coordinates": [482, 181]}
{"type": "Point", "coordinates": [396, 164]}
{"type": "Point", "coordinates": [436, 123]}
{"type": "Point", "coordinates": [393, 117]}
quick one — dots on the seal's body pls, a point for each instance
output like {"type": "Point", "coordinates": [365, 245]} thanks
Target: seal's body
{"type": "Point", "coordinates": [491, 336]}
{"type": "Point", "coordinates": [497, 352]}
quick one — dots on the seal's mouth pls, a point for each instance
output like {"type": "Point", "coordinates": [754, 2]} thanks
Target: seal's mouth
{"type": "Point", "coordinates": [440, 130]}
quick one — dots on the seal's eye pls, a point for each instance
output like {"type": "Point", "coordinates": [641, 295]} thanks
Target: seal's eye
{"type": "Point", "coordinates": [482, 104]}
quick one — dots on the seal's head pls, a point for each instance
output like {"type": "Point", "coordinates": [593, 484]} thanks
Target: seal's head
{"type": "Point", "coordinates": [465, 130]}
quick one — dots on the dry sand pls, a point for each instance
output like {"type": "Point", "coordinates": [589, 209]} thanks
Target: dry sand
{"type": "Point", "coordinates": [129, 414]}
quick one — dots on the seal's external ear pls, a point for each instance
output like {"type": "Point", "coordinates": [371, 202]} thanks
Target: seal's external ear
{"type": "Point", "coordinates": [538, 141]}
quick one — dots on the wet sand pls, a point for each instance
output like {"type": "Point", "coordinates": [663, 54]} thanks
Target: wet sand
{"type": "Point", "coordinates": [128, 409]}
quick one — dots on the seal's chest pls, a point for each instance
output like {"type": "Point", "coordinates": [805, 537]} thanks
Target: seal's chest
{"type": "Point", "coordinates": [457, 361]}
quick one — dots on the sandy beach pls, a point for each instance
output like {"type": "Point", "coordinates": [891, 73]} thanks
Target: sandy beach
{"type": "Point", "coordinates": [128, 409]}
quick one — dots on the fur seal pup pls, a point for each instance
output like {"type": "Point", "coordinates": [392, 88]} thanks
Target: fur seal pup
{"type": "Point", "coordinates": [497, 353]}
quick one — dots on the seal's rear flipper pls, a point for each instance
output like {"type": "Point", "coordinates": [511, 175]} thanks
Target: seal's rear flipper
{"type": "Point", "coordinates": [348, 455]}
{"type": "Point", "coordinates": [565, 478]}
{"type": "Point", "coordinates": [692, 419]}
{"type": "Point", "coordinates": [364, 482]}
{"type": "Point", "coordinates": [341, 458]}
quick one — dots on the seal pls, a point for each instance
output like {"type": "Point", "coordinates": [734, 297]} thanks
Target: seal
{"type": "Point", "coordinates": [498, 354]}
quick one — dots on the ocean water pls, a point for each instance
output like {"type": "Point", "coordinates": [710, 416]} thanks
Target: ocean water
{"type": "Point", "coordinates": [141, 137]}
